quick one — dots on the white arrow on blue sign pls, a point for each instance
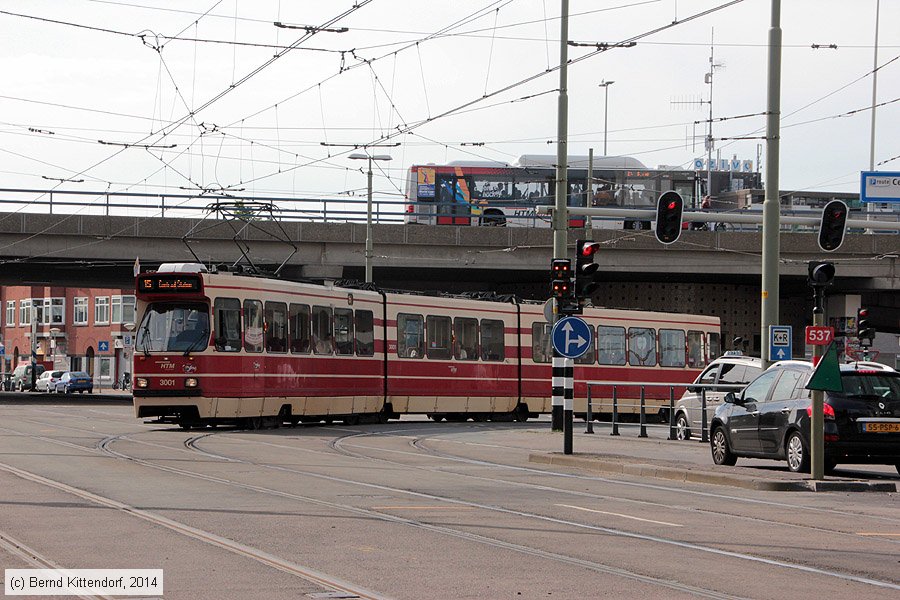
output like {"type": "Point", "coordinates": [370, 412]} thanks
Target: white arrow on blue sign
{"type": "Point", "coordinates": [780, 342]}
{"type": "Point", "coordinates": [571, 337]}
{"type": "Point", "coordinates": [103, 346]}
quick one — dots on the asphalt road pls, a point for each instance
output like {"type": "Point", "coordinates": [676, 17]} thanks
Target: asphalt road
{"type": "Point", "coordinates": [417, 509]}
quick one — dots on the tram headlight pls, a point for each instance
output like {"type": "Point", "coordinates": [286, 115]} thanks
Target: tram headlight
{"type": "Point", "coordinates": [190, 382]}
{"type": "Point", "coordinates": [141, 382]}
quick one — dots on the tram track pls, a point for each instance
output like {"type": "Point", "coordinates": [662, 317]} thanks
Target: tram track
{"type": "Point", "coordinates": [192, 445]}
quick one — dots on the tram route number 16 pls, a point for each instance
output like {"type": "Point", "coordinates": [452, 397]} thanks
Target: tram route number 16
{"type": "Point", "coordinates": [819, 336]}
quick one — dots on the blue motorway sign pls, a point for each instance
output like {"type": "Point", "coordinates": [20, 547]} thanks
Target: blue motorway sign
{"type": "Point", "coordinates": [780, 342]}
{"type": "Point", "coordinates": [571, 337]}
{"type": "Point", "coordinates": [103, 346]}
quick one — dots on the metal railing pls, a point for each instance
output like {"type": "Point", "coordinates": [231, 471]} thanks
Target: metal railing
{"type": "Point", "coordinates": [614, 403]}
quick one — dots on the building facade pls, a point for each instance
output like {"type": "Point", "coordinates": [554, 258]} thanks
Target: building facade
{"type": "Point", "coordinates": [79, 329]}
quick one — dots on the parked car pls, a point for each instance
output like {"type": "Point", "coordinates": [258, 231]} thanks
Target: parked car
{"type": "Point", "coordinates": [733, 368]}
{"type": "Point", "coordinates": [47, 381]}
{"type": "Point", "coordinates": [75, 381]}
{"type": "Point", "coordinates": [21, 379]}
{"type": "Point", "coordinates": [771, 417]}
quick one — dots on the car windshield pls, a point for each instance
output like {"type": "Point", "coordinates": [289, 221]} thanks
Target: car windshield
{"type": "Point", "coordinates": [174, 327]}
{"type": "Point", "coordinates": [874, 384]}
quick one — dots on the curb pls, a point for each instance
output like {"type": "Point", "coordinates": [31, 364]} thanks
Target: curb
{"type": "Point", "coordinates": [688, 475]}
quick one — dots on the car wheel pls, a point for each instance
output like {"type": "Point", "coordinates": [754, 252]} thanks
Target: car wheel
{"type": "Point", "coordinates": [721, 452]}
{"type": "Point", "coordinates": [682, 429]}
{"type": "Point", "coordinates": [797, 454]}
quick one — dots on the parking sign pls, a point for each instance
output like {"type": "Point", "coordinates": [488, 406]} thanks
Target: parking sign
{"type": "Point", "coordinates": [780, 342]}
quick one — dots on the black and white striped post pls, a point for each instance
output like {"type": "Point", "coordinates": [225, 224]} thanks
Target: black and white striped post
{"type": "Point", "coordinates": [568, 398]}
{"type": "Point", "coordinates": [558, 384]}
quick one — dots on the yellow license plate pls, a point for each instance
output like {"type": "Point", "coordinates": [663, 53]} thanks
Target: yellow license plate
{"type": "Point", "coordinates": [882, 427]}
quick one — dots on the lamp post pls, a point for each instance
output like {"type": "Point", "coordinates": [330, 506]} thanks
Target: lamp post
{"type": "Point", "coordinates": [368, 252]}
{"type": "Point", "coordinates": [605, 85]}
{"type": "Point", "coordinates": [54, 331]}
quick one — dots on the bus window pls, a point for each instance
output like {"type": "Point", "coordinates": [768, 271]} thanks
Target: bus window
{"type": "Point", "coordinates": [641, 346]}
{"type": "Point", "coordinates": [540, 342]}
{"type": "Point", "coordinates": [410, 338]}
{"type": "Point", "coordinates": [466, 333]}
{"type": "Point", "coordinates": [671, 348]}
{"type": "Point", "coordinates": [491, 188]}
{"type": "Point", "coordinates": [227, 324]}
{"type": "Point", "coordinates": [276, 327]}
{"type": "Point", "coordinates": [589, 357]}
{"type": "Point", "coordinates": [322, 337]}
{"type": "Point", "coordinates": [492, 340]}
{"type": "Point", "coordinates": [253, 326]}
{"type": "Point", "coordinates": [715, 346]}
{"type": "Point", "coordinates": [611, 345]}
{"type": "Point", "coordinates": [343, 331]}
{"type": "Point", "coordinates": [365, 333]}
{"type": "Point", "coordinates": [695, 349]}
{"type": "Point", "coordinates": [299, 321]}
{"type": "Point", "coordinates": [437, 330]}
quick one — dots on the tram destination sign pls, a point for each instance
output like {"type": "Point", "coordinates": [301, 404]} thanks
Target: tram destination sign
{"type": "Point", "coordinates": [169, 284]}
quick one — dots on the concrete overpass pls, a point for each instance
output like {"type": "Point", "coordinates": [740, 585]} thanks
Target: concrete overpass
{"type": "Point", "coordinates": [709, 272]}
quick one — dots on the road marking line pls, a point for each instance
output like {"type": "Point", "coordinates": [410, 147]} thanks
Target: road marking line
{"type": "Point", "coordinates": [879, 534]}
{"type": "Point", "coordinates": [603, 512]}
{"type": "Point", "coordinates": [423, 508]}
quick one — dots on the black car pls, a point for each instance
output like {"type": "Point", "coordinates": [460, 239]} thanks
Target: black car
{"type": "Point", "coordinates": [770, 418]}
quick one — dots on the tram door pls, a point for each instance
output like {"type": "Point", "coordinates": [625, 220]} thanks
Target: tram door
{"type": "Point", "coordinates": [454, 199]}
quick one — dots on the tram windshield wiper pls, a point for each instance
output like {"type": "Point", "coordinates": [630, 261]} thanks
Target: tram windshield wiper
{"type": "Point", "coordinates": [196, 343]}
{"type": "Point", "coordinates": [144, 343]}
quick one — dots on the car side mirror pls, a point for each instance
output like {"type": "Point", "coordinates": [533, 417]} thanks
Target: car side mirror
{"type": "Point", "coordinates": [693, 389]}
{"type": "Point", "coordinates": [732, 398]}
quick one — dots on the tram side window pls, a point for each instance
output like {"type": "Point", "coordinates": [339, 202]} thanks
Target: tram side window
{"type": "Point", "coordinates": [492, 340]}
{"type": "Point", "coordinates": [671, 348]}
{"type": "Point", "coordinates": [695, 349]}
{"type": "Point", "coordinates": [611, 345]}
{"type": "Point", "coordinates": [299, 321]}
{"type": "Point", "coordinates": [343, 331]}
{"type": "Point", "coordinates": [365, 333]}
{"type": "Point", "coordinates": [715, 346]}
{"type": "Point", "coordinates": [227, 324]}
{"type": "Point", "coordinates": [276, 327]}
{"type": "Point", "coordinates": [589, 357]}
{"type": "Point", "coordinates": [641, 346]}
{"type": "Point", "coordinates": [540, 342]}
{"type": "Point", "coordinates": [410, 336]}
{"type": "Point", "coordinates": [322, 337]}
{"type": "Point", "coordinates": [437, 332]}
{"type": "Point", "coordinates": [465, 331]}
{"type": "Point", "coordinates": [253, 326]}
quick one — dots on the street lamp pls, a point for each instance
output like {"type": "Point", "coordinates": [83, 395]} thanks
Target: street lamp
{"type": "Point", "coordinates": [368, 253]}
{"type": "Point", "coordinates": [54, 331]}
{"type": "Point", "coordinates": [605, 85]}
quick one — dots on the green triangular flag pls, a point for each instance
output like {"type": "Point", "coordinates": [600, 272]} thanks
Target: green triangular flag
{"type": "Point", "coordinates": [827, 376]}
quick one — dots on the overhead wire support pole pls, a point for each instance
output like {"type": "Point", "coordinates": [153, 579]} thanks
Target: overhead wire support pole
{"type": "Point", "coordinates": [772, 204]}
{"type": "Point", "coordinates": [560, 214]}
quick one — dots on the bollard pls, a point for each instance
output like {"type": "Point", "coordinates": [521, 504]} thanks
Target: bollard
{"type": "Point", "coordinates": [671, 413]}
{"type": "Point", "coordinates": [704, 420]}
{"type": "Point", "coordinates": [589, 413]}
{"type": "Point", "coordinates": [615, 415]}
{"type": "Point", "coordinates": [643, 416]}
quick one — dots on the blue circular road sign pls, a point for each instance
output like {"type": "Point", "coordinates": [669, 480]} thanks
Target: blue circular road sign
{"type": "Point", "coordinates": [571, 337]}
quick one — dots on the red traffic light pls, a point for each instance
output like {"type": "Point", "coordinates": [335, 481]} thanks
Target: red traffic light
{"type": "Point", "coordinates": [669, 210]}
{"type": "Point", "coordinates": [588, 249]}
{"type": "Point", "coordinates": [862, 313]}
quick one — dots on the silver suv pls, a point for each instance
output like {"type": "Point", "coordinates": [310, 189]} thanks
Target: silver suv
{"type": "Point", "coordinates": [733, 368]}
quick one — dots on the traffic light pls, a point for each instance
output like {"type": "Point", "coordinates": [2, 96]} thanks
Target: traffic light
{"type": "Point", "coordinates": [834, 223]}
{"type": "Point", "coordinates": [864, 330]}
{"type": "Point", "coordinates": [585, 267]}
{"type": "Point", "coordinates": [819, 273]}
{"type": "Point", "coordinates": [561, 277]}
{"type": "Point", "coordinates": [669, 209]}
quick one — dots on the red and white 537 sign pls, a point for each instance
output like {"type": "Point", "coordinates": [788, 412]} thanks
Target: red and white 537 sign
{"type": "Point", "coordinates": [819, 336]}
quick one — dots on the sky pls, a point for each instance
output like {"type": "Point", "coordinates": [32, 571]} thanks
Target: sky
{"type": "Point", "coordinates": [180, 97]}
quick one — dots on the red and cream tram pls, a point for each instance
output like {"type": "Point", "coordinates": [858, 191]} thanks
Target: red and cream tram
{"type": "Point", "coordinates": [231, 348]}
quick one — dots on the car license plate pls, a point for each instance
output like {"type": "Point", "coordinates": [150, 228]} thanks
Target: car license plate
{"type": "Point", "coordinates": [881, 427]}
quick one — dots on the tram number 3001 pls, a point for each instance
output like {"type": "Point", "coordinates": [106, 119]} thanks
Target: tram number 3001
{"type": "Point", "coordinates": [166, 383]}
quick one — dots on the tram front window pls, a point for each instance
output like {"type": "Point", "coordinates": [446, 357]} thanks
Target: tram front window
{"type": "Point", "coordinates": [174, 327]}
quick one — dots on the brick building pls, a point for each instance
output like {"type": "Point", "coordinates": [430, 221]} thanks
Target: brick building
{"type": "Point", "coordinates": [85, 329]}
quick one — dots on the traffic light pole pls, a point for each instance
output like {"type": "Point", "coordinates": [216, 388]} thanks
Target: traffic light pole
{"type": "Point", "coordinates": [817, 421]}
{"type": "Point", "coordinates": [560, 213]}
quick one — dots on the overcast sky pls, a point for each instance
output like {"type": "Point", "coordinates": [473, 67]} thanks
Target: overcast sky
{"type": "Point", "coordinates": [191, 117]}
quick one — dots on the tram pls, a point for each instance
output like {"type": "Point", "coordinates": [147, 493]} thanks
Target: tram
{"type": "Point", "coordinates": [228, 347]}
